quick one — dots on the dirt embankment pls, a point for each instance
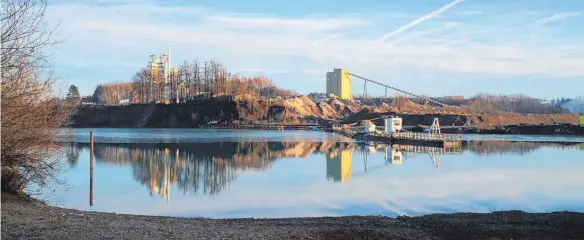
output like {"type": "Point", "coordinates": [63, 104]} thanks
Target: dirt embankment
{"type": "Point", "coordinates": [157, 115]}
{"type": "Point", "coordinates": [241, 109]}
{"type": "Point", "coordinates": [485, 121]}
{"type": "Point", "coordinates": [33, 220]}
{"type": "Point", "coordinates": [505, 123]}
{"type": "Point", "coordinates": [299, 110]}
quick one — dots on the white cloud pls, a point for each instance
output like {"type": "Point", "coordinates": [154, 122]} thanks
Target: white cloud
{"type": "Point", "coordinates": [260, 22]}
{"type": "Point", "coordinates": [347, 51]}
{"type": "Point", "coordinates": [322, 40]}
{"type": "Point", "coordinates": [538, 22]}
{"type": "Point", "coordinates": [422, 19]}
{"type": "Point", "coordinates": [130, 33]}
{"type": "Point", "coordinates": [556, 17]}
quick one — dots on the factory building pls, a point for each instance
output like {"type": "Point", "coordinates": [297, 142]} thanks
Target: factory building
{"type": "Point", "coordinates": [161, 70]}
{"type": "Point", "coordinates": [338, 83]}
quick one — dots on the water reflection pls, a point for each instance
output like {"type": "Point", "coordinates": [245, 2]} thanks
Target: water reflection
{"type": "Point", "coordinates": [200, 168]}
{"type": "Point", "coordinates": [489, 148]}
{"type": "Point", "coordinates": [72, 153]}
{"type": "Point", "coordinates": [208, 168]}
{"type": "Point", "coordinates": [339, 165]}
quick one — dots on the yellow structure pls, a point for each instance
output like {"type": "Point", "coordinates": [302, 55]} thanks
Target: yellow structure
{"type": "Point", "coordinates": [338, 83]}
{"type": "Point", "coordinates": [582, 120]}
{"type": "Point", "coordinates": [339, 166]}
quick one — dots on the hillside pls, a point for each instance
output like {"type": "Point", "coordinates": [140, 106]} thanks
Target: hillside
{"type": "Point", "coordinates": [247, 109]}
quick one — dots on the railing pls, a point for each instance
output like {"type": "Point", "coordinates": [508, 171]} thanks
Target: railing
{"type": "Point", "coordinates": [426, 136]}
{"type": "Point", "coordinates": [427, 149]}
{"type": "Point", "coordinates": [257, 126]}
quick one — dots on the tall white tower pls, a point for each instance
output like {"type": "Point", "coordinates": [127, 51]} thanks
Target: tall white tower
{"type": "Point", "coordinates": [167, 69]}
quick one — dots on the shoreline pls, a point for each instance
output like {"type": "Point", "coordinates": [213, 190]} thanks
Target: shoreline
{"type": "Point", "coordinates": [533, 130]}
{"type": "Point", "coordinates": [34, 219]}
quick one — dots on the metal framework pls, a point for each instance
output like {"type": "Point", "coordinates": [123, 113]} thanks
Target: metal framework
{"type": "Point", "coordinates": [396, 89]}
{"type": "Point", "coordinates": [435, 128]}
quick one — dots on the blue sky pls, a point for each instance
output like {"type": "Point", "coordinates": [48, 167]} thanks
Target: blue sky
{"type": "Point", "coordinates": [435, 47]}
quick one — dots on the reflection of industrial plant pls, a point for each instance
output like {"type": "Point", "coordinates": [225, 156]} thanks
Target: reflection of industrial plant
{"type": "Point", "coordinates": [200, 168]}
{"type": "Point", "coordinates": [339, 165]}
{"type": "Point", "coordinates": [399, 151]}
{"type": "Point", "coordinates": [209, 168]}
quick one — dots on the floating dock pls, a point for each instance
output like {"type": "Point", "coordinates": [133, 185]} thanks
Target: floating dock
{"type": "Point", "coordinates": [262, 126]}
{"type": "Point", "coordinates": [393, 132]}
{"type": "Point", "coordinates": [412, 138]}
{"type": "Point", "coordinates": [433, 138]}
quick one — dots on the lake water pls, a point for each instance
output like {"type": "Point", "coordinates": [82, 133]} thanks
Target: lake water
{"type": "Point", "coordinates": [225, 173]}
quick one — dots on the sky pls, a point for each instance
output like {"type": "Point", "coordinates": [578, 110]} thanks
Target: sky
{"type": "Point", "coordinates": [434, 47]}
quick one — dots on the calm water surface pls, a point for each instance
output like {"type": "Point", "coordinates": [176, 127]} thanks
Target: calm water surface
{"type": "Point", "coordinates": [210, 173]}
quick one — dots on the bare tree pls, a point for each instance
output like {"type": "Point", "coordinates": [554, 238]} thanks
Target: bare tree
{"type": "Point", "coordinates": [140, 86]}
{"type": "Point", "coordinates": [211, 78]}
{"type": "Point", "coordinates": [31, 115]}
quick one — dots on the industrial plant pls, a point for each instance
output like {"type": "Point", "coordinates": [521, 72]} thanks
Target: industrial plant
{"type": "Point", "coordinates": [162, 71]}
{"type": "Point", "coordinates": [338, 83]}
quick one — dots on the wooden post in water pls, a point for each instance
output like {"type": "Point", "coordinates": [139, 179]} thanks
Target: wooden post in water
{"type": "Point", "coordinates": [91, 168]}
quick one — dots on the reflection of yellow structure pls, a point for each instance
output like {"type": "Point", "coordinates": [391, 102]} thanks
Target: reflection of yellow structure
{"type": "Point", "coordinates": [339, 167]}
{"type": "Point", "coordinates": [338, 83]}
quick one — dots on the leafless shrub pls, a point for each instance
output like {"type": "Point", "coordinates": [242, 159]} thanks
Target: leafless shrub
{"type": "Point", "coordinates": [30, 113]}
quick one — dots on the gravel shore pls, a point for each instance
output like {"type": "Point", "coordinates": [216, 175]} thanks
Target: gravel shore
{"type": "Point", "coordinates": [22, 219]}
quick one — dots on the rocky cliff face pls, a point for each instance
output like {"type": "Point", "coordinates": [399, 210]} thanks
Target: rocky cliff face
{"type": "Point", "coordinates": [247, 109]}
{"type": "Point", "coordinates": [223, 110]}
{"type": "Point", "coordinates": [156, 115]}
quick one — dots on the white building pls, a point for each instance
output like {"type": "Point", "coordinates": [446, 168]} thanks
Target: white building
{"type": "Point", "coordinates": [393, 124]}
{"type": "Point", "coordinates": [160, 69]}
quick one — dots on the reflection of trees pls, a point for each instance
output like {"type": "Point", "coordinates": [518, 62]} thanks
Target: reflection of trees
{"type": "Point", "coordinates": [487, 148]}
{"type": "Point", "coordinates": [72, 153]}
{"type": "Point", "coordinates": [202, 168]}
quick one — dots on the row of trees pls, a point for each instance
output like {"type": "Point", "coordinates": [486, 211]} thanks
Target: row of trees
{"type": "Point", "coordinates": [563, 100]}
{"type": "Point", "coordinates": [519, 103]}
{"type": "Point", "coordinates": [112, 93]}
{"type": "Point", "coordinates": [200, 79]}
{"type": "Point", "coordinates": [192, 80]}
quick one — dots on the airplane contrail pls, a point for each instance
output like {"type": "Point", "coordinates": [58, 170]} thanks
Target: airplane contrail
{"type": "Point", "coordinates": [538, 22]}
{"type": "Point", "coordinates": [422, 19]}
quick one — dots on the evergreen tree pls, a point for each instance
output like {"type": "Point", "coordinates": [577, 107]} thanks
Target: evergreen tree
{"type": "Point", "coordinates": [73, 94]}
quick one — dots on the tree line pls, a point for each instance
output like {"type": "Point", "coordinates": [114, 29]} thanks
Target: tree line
{"type": "Point", "coordinates": [200, 80]}
{"type": "Point", "coordinates": [191, 80]}
{"type": "Point", "coordinates": [519, 103]}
